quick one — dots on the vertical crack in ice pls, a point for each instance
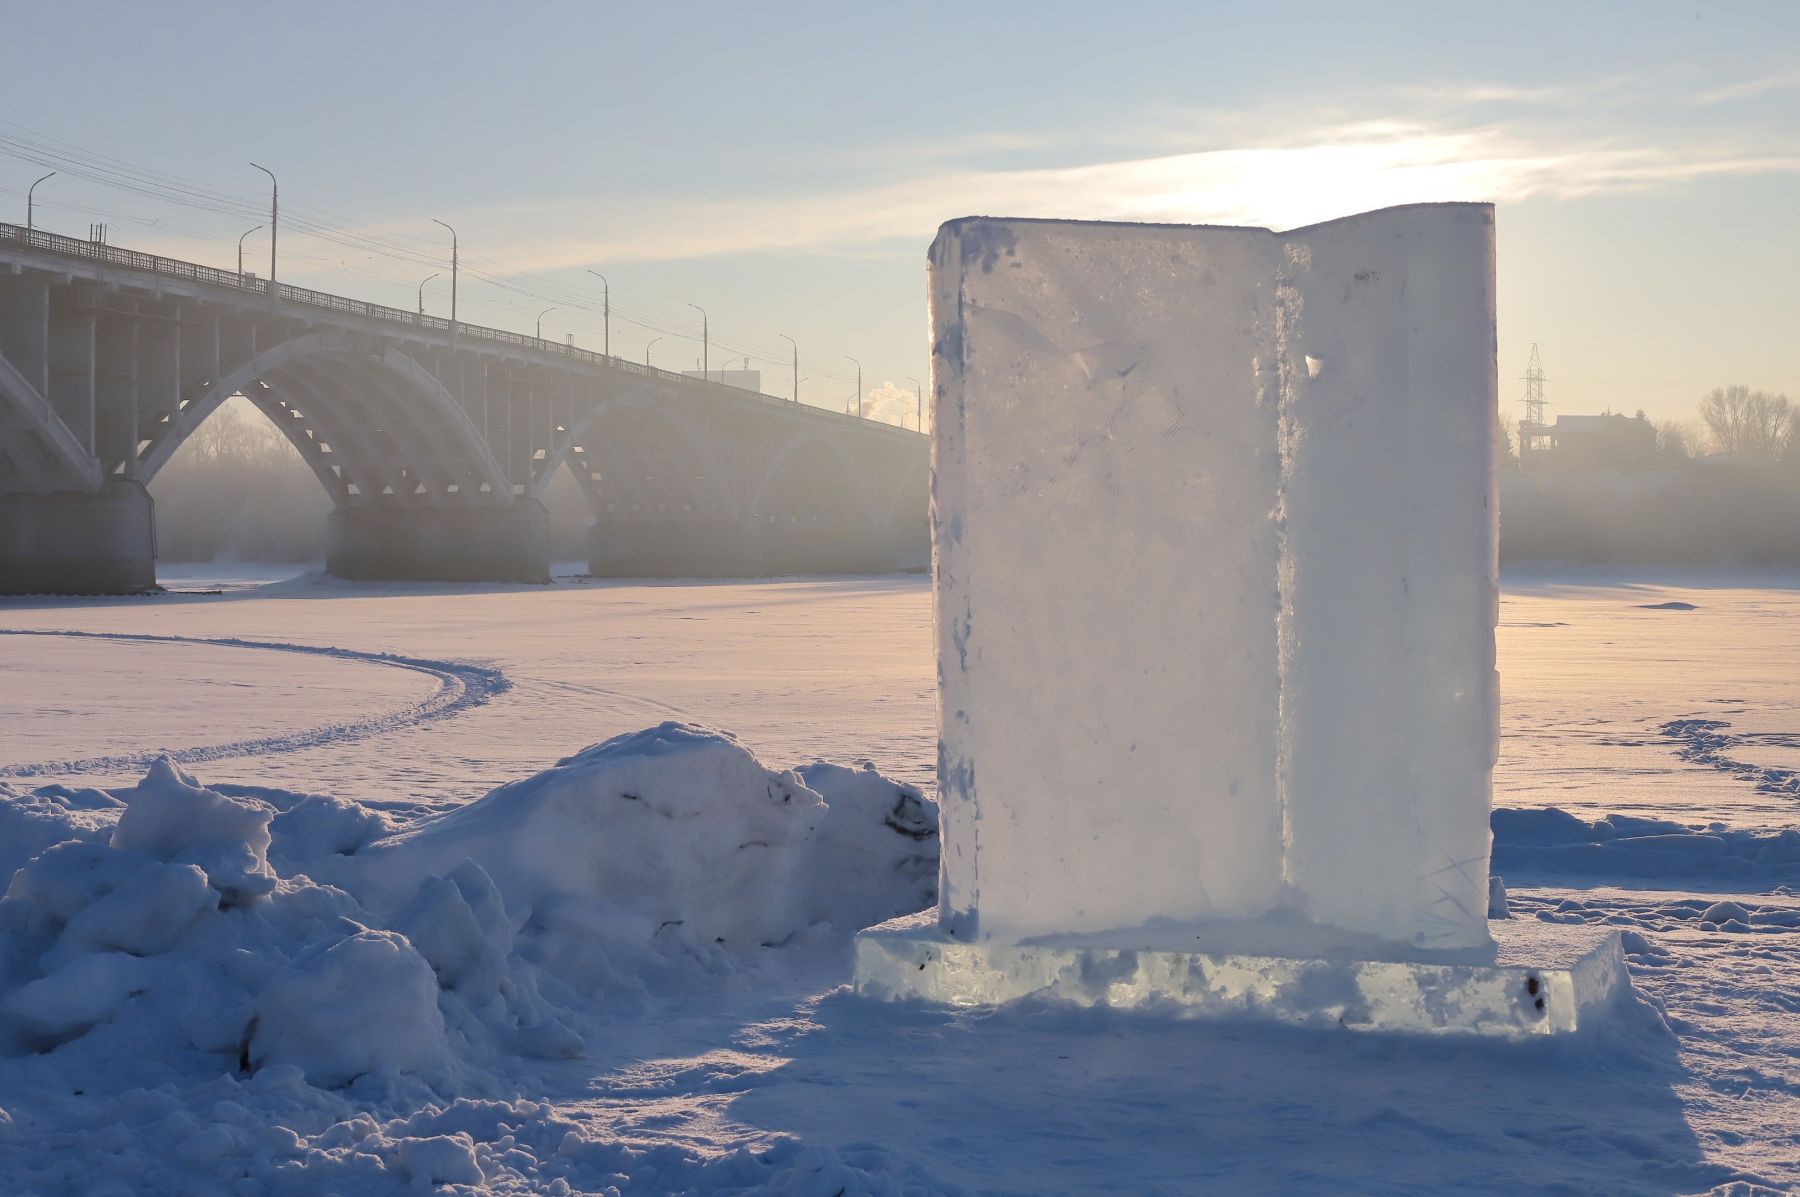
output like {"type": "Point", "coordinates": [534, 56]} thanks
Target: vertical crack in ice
{"type": "Point", "coordinates": [1280, 388]}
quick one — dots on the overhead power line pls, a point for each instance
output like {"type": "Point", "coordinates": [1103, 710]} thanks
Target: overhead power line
{"type": "Point", "coordinates": [245, 203]}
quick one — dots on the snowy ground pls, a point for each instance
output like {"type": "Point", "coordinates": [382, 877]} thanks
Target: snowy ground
{"type": "Point", "coordinates": [764, 1071]}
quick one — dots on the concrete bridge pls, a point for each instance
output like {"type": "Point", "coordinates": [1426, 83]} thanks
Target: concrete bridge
{"type": "Point", "coordinates": [435, 440]}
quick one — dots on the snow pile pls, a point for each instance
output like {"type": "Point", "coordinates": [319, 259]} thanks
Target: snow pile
{"type": "Point", "coordinates": [314, 825]}
{"type": "Point", "coordinates": [172, 944]}
{"type": "Point", "coordinates": [32, 820]}
{"type": "Point", "coordinates": [169, 817]}
{"type": "Point", "coordinates": [155, 916]}
{"type": "Point", "coordinates": [875, 852]}
{"type": "Point", "coordinates": [250, 983]}
{"type": "Point", "coordinates": [670, 850]}
{"type": "Point", "coordinates": [1554, 843]}
{"type": "Point", "coordinates": [366, 1002]}
{"type": "Point", "coordinates": [669, 827]}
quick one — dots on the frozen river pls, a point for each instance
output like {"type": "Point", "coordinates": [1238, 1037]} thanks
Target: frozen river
{"type": "Point", "coordinates": [1593, 669]}
{"type": "Point", "coordinates": [1671, 697]}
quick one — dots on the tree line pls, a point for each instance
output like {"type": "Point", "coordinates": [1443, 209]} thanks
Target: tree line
{"type": "Point", "coordinates": [1722, 491]}
{"type": "Point", "coordinates": [1735, 423]}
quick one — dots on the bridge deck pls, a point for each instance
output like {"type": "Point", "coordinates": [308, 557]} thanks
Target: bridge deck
{"type": "Point", "coordinates": [34, 249]}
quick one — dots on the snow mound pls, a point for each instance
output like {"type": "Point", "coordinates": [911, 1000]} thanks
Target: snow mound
{"type": "Point", "coordinates": [168, 941]}
{"type": "Point", "coordinates": [666, 852]}
{"type": "Point", "coordinates": [170, 816]}
{"type": "Point", "coordinates": [674, 826]}
{"type": "Point", "coordinates": [241, 982]}
{"type": "Point", "coordinates": [364, 1004]}
{"type": "Point", "coordinates": [1554, 843]}
{"type": "Point", "coordinates": [248, 929]}
{"type": "Point", "coordinates": [33, 820]}
{"type": "Point", "coordinates": [320, 825]}
{"type": "Point", "coordinates": [874, 855]}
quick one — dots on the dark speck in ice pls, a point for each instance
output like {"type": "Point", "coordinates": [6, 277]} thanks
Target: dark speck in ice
{"type": "Point", "coordinates": [949, 342]}
{"type": "Point", "coordinates": [986, 240]}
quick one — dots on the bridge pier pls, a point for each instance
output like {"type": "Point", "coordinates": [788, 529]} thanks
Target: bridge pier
{"type": "Point", "coordinates": [752, 547]}
{"type": "Point", "coordinates": [440, 544]}
{"type": "Point", "coordinates": [101, 542]}
{"type": "Point", "coordinates": [669, 549]}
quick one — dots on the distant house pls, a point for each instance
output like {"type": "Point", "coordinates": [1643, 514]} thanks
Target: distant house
{"type": "Point", "coordinates": [1604, 442]}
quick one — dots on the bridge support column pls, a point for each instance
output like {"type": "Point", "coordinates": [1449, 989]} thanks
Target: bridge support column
{"type": "Point", "coordinates": [754, 547]}
{"type": "Point", "coordinates": [440, 544]}
{"type": "Point", "coordinates": [103, 542]}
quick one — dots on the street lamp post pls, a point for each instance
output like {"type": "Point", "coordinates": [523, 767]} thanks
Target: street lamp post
{"type": "Point", "coordinates": [274, 219]}
{"type": "Point", "coordinates": [540, 326]}
{"type": "Point", "coordinates": [859, 410]}
{"type": "Point", "coordinates": [32, 191]}
{"type": "Point", "coordinates": [705, 337]}
{"type": "Point", "coordinates": [454, 266]}
{"type": "Point", "coordinates": [919, 416]}
{"type": "Point", "coordinates": [796, 346]}
{"type": "Point", "coordinates": [605, 311]}
{"type": "Point", "coordinates": [422, 283]}
{"type": "Point", "coordinates": [653, 340]}
{"type": "Point", "coordinates": [241, 237]}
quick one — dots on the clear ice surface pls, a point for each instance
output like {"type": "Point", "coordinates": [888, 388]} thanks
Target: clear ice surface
{"type": "Point", "coordinates": [1213, 516]}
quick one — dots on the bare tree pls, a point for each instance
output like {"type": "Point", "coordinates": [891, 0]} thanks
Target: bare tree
{"type": "Point", "coordinates": [1505, 456]}
{"type": "Point", "coordinates": [1677, 440]}
{"type": "Point", "coordinates": [1747, 423]}
{"type": "Point", "coordinates": [237, 487]}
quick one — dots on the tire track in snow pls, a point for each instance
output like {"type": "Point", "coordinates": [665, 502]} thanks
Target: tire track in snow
{"type": "Point", "coordinates": [461, 687]}
{"type": "Point", "coordinates": [621, 697]}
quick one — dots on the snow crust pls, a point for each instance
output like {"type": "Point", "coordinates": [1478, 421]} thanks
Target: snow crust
{"type": "Point", "coordinates": [1215, 554]}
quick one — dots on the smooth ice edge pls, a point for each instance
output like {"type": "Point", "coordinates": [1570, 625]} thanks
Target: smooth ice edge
{"type": "Point", "coordinates": [1544, 979]}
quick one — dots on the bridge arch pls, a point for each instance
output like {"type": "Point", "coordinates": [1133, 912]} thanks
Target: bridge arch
{"type": "Point", "coordinates": [844, 473]}
{"type": "Point", "coordinates": [574, 440]}
{"type": "Point", "coordinates": [49, 454]}
{"type": "Point", "coordinates": [205, 398]}
{"type": "Point", "coordinates": [368, 422]}
{"type": "Point", "coordinates": [635, 429]}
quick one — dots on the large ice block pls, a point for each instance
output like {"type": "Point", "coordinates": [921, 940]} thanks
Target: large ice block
{"type": "Point", "coordinates": [1105, 469]}
{"type": "Point", "coordinates": [1389, 695]}
{"type": "Point", "coordinates": [1214, 542]}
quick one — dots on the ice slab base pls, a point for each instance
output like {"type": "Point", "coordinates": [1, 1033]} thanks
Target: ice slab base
{"type": "Point", "coordinates": [1543, 979]}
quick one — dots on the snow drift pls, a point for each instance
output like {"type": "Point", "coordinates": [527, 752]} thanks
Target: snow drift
{"type": "Point", "coordinates": [195, 929]}
{"type": "Point", "coordinates": [258, 981]}
{"type": "Point", "coordinates": [670, 827]}
{"type": "Point", "coordinates": [669, 850]}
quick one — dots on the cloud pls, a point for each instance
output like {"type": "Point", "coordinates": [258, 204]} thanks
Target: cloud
{"type": "Point", "coordinates": [1750, 88]}
{"type": "Point", "coordinates": [893, 403]}
{"type": "Point", "coordinates": [1344, 168]}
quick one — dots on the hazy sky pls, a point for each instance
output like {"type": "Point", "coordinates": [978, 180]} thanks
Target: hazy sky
{"type": "Point", "coordinates": [785, 164]}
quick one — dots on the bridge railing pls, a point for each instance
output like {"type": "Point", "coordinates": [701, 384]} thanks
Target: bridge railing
{"type": "Point", "coordinates": [115, 256]}
{"type": "Point", "coordinates": [112, 255]}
